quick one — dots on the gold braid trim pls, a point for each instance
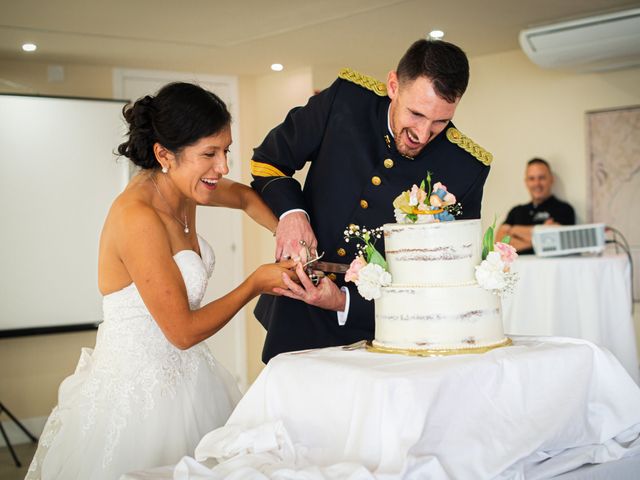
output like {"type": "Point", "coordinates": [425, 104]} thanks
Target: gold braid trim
{"type": "Point", "coordinates": [365, 81]}
{"type": "Point", "coordinates": [455, 136]}
{"type": "Point", "coordinates": [259, 169]}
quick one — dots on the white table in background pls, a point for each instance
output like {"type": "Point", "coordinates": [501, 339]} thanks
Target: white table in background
{"type": "Point", "coordinates": [585, 297]}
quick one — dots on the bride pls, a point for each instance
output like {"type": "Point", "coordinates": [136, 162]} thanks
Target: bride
{"type": "Point", "coordinates": [149, 390]}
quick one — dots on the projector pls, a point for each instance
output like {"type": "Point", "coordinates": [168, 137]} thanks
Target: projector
{"type": "Point", "coordinates": [553, 240]}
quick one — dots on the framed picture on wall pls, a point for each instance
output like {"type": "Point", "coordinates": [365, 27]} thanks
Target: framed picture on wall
{"type": "Point", "coordinates": [613, 145]}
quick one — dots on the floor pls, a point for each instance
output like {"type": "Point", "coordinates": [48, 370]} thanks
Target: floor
{"type": "Point", "coordinates": [8, 469]}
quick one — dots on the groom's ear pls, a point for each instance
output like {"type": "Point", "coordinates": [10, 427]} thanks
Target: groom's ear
{"type": "Point", "coordinates": [393, 84]}
{"type": "Point", "coordinates": [163, 155]}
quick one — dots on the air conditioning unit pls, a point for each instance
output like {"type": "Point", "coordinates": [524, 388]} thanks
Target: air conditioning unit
{"type": "Point", "coordinates": [554, 240]}
{"type": "Point", "coordinates": [598, 43]}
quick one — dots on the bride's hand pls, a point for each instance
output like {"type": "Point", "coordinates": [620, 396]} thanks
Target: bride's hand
{"type": "Point", "coordinates": [325, 294]}
{"type": "Point", "coordinates": [268, 277]}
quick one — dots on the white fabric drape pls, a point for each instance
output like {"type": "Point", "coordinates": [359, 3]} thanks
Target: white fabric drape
{"type": "Point", "coordinates": [539, 408]}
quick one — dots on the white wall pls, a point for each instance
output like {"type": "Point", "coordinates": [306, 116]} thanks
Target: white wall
{"type": "Point", "coordinates": [517, 110]}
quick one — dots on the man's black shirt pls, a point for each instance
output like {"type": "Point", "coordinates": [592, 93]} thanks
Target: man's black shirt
{"type": "Point", "coordinates": [561, 212]}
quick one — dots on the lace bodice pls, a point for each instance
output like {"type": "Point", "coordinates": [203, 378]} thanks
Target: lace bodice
{"type": "Point", "coordinates": [127, 322]}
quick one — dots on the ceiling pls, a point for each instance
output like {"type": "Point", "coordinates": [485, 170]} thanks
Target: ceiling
{"type": "Point", "coordinates": [244, 37]}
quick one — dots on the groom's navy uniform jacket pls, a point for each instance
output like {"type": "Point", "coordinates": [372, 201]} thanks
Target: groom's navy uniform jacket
{"type": "Point", "coordinates": [355, 174]}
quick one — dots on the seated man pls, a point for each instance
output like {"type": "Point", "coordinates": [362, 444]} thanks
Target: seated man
{"type": "Point", "coordinates": [544, 208]}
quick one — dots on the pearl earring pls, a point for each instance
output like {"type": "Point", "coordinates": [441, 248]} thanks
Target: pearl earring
{"type": "Point", "coordinates": [165, 170]}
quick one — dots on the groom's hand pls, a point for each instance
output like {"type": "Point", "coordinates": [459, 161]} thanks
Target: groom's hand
{"type": "Point", "coordinates": [294, 237]}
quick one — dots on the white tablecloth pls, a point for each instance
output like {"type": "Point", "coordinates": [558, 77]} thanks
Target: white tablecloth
{"type": "Point", "coordinates": [585, 297]}
{"type": "Point", "coordinates": [539, 408]}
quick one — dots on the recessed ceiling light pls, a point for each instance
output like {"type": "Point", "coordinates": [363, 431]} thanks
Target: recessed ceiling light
{"type": "Point", "coordinates": [436, 34]}
{"type": "Point", "coordinates": [277, 67]}
{"type": "Point", "coordinates": [29, 47]}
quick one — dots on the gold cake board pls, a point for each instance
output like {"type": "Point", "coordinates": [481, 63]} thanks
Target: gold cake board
{"type": "Point", "coordinates": [436, 352]}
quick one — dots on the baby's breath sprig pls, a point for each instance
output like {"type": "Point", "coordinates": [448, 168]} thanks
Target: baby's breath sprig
{"type": "Point", "coordinates": [455, 209]}
{"type": "Point", "coordinates": [366, 249]}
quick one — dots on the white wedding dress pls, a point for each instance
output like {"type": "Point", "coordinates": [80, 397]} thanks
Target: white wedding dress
{"type": "Point", "coordinates": [135, 401]}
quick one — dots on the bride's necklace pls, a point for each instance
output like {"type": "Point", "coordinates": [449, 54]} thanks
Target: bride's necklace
{"type": "Point", "coordinates": [184, 224]}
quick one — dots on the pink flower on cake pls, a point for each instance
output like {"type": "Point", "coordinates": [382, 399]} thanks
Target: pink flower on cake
{"type": "Point", "coordinates": [354, 269]}
{"type": "Point", "coordinates": [507, 252]}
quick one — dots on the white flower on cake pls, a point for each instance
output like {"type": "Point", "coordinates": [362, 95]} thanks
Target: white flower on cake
{"type": "Point", "coordinates": [494, 272]}
{"type": "Point", "coordinates": [425, 204]}
{"type": "Point", "coordinates": [369, 269]}
{"type": "Point", "coordinates": [490, 273]}
{"type": "Point", "coordinates": [372, 277]}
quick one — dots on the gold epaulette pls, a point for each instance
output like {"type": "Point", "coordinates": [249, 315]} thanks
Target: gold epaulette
{"type": "Point", "coordinates": [455, 136]}
{"type": "Point", "coordinates": [365, 81]}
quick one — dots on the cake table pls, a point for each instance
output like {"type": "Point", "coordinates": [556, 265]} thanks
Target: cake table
{"type": "Point", "coordinates": [541, 407]}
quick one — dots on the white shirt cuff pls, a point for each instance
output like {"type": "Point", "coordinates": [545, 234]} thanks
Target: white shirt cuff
{"type": "Point", "coordinates": [342, 316]}
{"type": "Point", "coordinates": [294, 210]}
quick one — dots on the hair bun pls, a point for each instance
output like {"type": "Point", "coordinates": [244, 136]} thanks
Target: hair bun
{"type": "Point", "coordinates": [139, 147]}
{"type": "Point", "coordinates": [178, 116]}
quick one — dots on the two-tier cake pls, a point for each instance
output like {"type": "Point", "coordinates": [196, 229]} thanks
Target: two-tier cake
{"type": "Point", "coordinates": [436, 290]}
{"type": "Point", "coordinates": [434, 302]}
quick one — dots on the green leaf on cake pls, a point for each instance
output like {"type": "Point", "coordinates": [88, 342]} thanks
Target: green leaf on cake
{"type": "Point", "coordinates": [487, 242]}
{"type": "Point", "coordinates": [377, 258]}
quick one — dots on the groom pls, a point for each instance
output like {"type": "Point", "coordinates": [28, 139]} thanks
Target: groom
{"type": "Point", "coordinates": [366, 141]}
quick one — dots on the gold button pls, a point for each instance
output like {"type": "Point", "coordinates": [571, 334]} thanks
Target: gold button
{"type": "Point", "coordinates": [388, 163]}
{"type": "Point", "coordinates": [341, 252]}
{"type": "Point", "coordinates": [364, 204]}
{"type": "Point", "coordinates": [332, 277]}
{"type": "Point", "coordinates": [376, 180]}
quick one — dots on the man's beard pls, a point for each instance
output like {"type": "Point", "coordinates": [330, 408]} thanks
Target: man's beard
{"type": "Point", "coordinates": [403, 148]}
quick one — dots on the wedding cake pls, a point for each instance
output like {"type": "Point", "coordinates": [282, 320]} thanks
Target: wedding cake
{"type": "Point", "coordinates": [437, 289]}
{"type": "Point", "coordinates": [434, 301]}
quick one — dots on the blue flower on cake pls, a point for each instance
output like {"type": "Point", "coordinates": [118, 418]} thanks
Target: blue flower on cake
{"type": "Point", "coordinates": [494, 272]}
{"type": "Point", "coordinates": [369, 270]}
{"type": "Point", "coordinates": [426, 204]}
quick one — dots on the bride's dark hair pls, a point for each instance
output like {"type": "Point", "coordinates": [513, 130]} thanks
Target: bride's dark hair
{"type": "Point", "coordinates": [179, 115]}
